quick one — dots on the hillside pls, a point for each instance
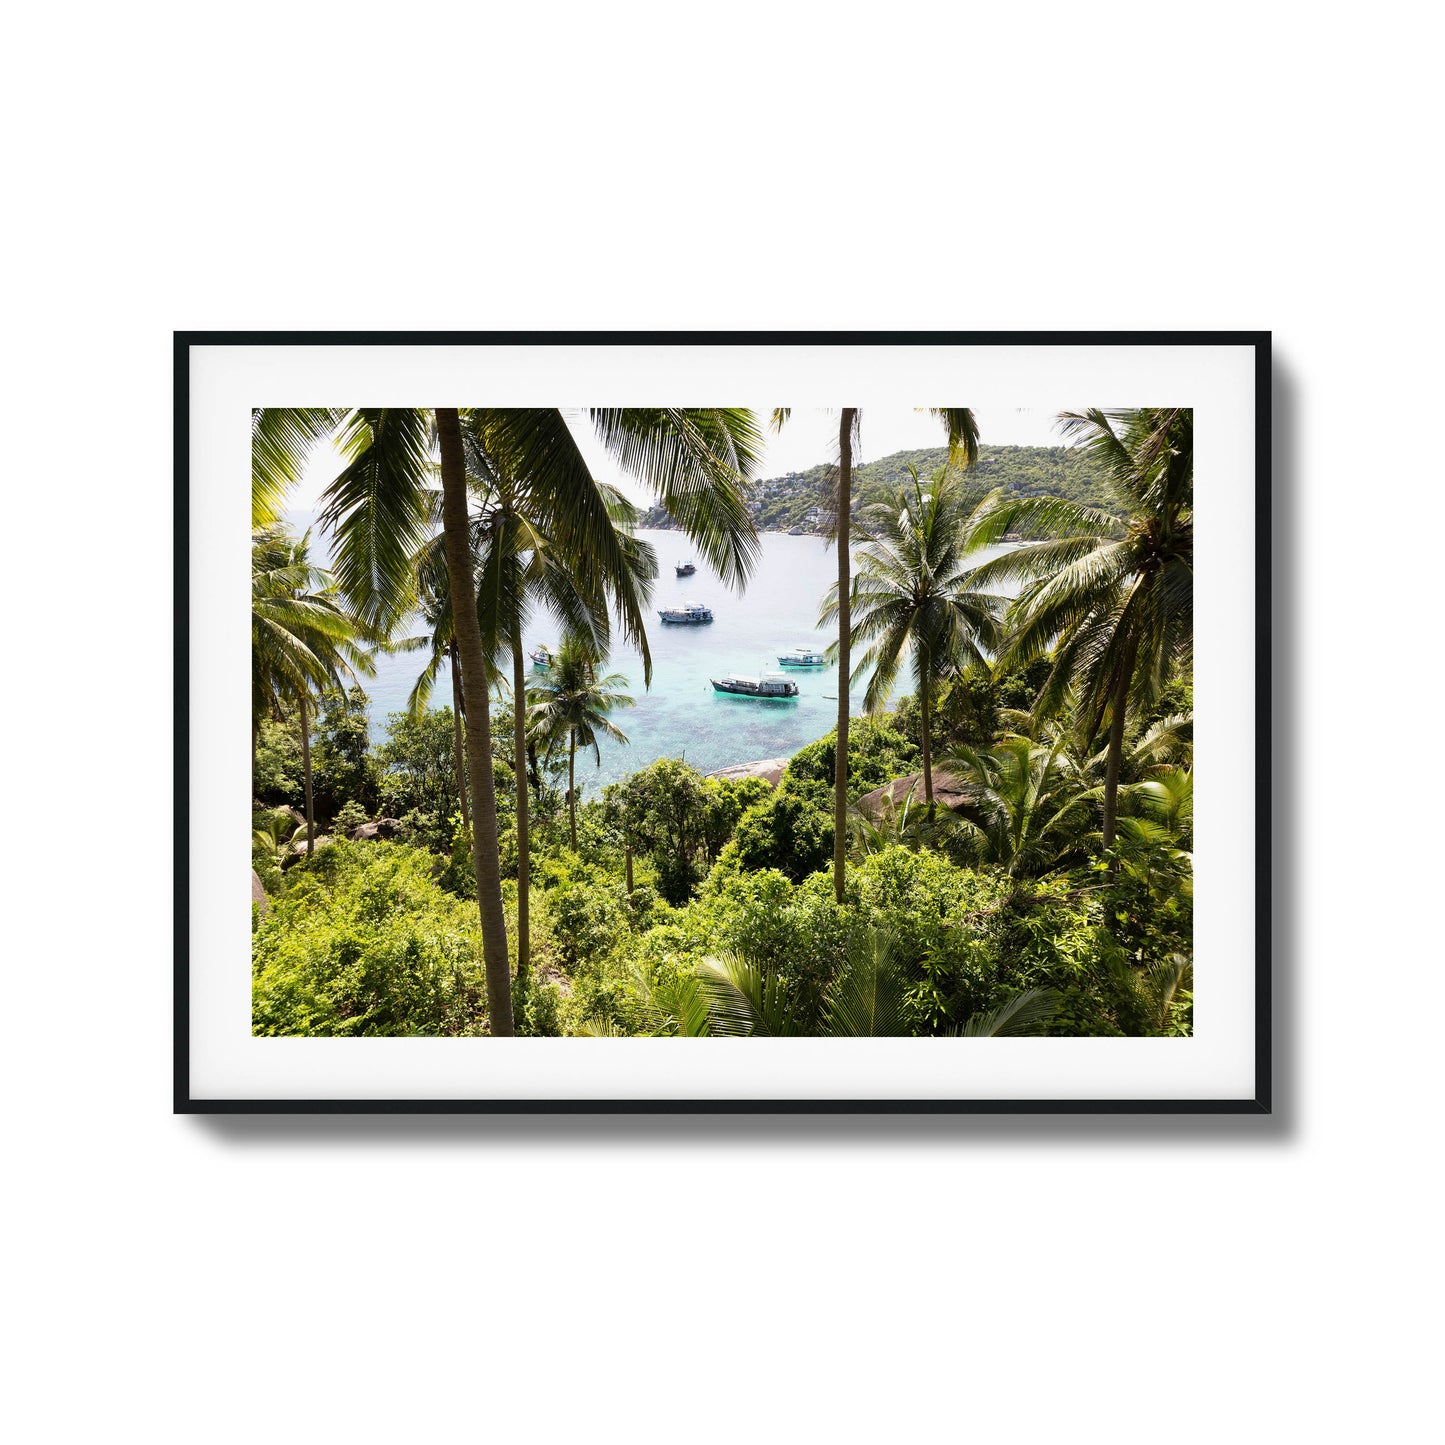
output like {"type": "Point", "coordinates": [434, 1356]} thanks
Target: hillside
{"type": "Point", "coordinates": [794, 500]}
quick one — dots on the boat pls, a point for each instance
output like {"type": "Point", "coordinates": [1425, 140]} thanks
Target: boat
{"type": "Point", "coordinates": [541, 656]}
{"type": "Point", "coordinates": [685, 569]}
{"type": "Point", "coordinates": [802, 657]}
{"type": "Point", "coordinates": [688, 612]}
{"type": "Point", "coordinates": [770, 684]}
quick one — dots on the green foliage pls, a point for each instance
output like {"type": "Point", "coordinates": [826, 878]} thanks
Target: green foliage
{"type": "Point", "coordinates": [460, 876]}
{"type": "Point", "coordinates": [791, 831]}
{"type": "Point", "coordinates": [273, 832]}
{"type": "Point", "coordinates": [671, 814]}
{"type": "Point", "coordinates": [278, 779]}
{"type": "Point", "coordinates": [912, 599]}
{"type": "Point", "coordinates": [342, 768]}
{"type": "Point", "coordinates": [418, 765]}
{"type": "Point", "coordinates": [799, 498]}
{"type": "Point", "coordinates": [349, 816]}
{"type": "Point", "coordinates": [362, 941]}
{"type": "Point", "coordinates": [537, 1008]}
{"type": "Point", "coordinates": [590, 915]}
{"type": "Point", "coordinates": [1004, 914]}
{"type": "Point", "coordinates": [877, 753]}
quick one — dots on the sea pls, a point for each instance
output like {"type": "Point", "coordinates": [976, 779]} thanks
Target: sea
{"type": "Point", "coordinates": [680, 715]}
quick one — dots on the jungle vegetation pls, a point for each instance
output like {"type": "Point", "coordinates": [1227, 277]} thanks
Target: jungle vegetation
{"type": "Point", "coordinates": [1007, 849]}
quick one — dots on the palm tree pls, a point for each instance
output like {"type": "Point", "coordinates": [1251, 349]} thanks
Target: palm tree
{"type": "Point", "coordinates": [1111, 597]}
{"type": "Point", "coordinates": [574, 703]}
{"type": "Point", "coordinates": [437, 640]}
{"type": "Point", "coordinates": [962, 452]}
{"type": "Point", "coordinates": [522, 562]}
{"type": "Point", "coordinates": [914, 595]}
{"type": "Point", "coordinates": [302, 640]}
{"type": "Point", "coordinates": [281, 441]}
{"type": "Point", "coordinates": [696, 461]}
{"type": "Point", "coordinates": [434, 605]}
{"type": "Point", "coordinates": [1029, 803]}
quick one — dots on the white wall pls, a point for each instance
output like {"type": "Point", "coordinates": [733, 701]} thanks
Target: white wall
{"type": "Point", "coordinates": [1102, 166]}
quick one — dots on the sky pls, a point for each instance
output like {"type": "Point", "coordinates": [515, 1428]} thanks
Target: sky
{"type": "Point", "coordinates": [810, 437]}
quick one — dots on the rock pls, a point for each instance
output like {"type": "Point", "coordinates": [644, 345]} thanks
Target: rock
{"type": "Point", "coordinates": [770, 770]}
{"type": "Point", "coordinates": [258, 894]}
{"type": "Point", "coordinates": [948, 792]}
{"type": "Point", "coordinates": [298, 849]}
{"type": "Point", "coordinates": [383, 828]}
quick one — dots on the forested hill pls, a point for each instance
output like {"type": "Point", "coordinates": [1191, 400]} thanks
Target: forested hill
{"type": "Point", "coordinates": [781, 503]}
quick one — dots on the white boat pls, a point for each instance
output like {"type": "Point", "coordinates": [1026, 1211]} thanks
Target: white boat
{"type": "Point", "coordinates": [685, 569]}
{"type": "Point", "coordinates": [688, 612]}
{"type": "Point", "coordinates": [541, 656]}
{"type": "Point", "coordinates": [802, 657]}
{"type": "Point", "coordinates": [770, 684]}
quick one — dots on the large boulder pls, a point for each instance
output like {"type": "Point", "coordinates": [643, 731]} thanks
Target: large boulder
{"type": "Point", "coordinates": [770, 770]}
{"type": "Point", "coordinates": [384, 828]}
{"type": "Point", "coordinates": [948, 792]}
{"type": "Point", "coordinates": [258, 894]}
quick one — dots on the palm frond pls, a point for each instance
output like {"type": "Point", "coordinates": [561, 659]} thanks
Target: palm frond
{"type": "Point", "coordinates": [1025, 1013]}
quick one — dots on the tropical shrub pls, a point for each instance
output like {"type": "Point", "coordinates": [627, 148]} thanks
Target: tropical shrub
{"type": "Point", "coordinates": [418, 766]}
{"type": "Point", "coordinates": [877, 753]}
{"type": "Point", "coordinates": [278, 780]}
{"type": "Point", "coordinates": [342, 765]}
{"type": "Point", "coordinates": [791, 831]}
{"type": "Point", "coordinates": [670, 813]}
{"type": "Point", "coordinates": [361, 941]}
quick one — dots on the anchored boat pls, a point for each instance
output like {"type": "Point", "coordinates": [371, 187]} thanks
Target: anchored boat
{"type": "Point", "coordinates": [688, 612]}
{"type": "Point", "coordinates": [770, 684]}
{"type": "Point", "coordinates": [541, 656]}
{"type": "Point", "coordinates": [802, 657]}
{"type": "Point", "coordinates": [685, 569]}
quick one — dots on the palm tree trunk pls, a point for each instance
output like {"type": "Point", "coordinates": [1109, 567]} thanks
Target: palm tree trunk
{"type": "Point", "coordinates": [926, 703]}
{"type": "Point", "coordinates": [468, 636]}
{"type": "Point", "coordinates": [457, 744]}
{"type": "Point", "coordinates": [306, 769]}
{"type": "Point", "coordinates": [572, 786]}
{"type": "Point", "coordinates": [1116, 742]}
{"type": "Point", "coordinates": [840, 767]}
{"type": "Point", "coordinates": [519, 769]}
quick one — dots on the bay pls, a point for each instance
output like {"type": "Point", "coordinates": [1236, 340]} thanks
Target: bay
{"type": "Point", "coordinates": [680, 715]}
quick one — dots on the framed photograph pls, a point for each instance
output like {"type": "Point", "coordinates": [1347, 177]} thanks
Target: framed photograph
{"type": "Point", "coordinates": [635, 728]}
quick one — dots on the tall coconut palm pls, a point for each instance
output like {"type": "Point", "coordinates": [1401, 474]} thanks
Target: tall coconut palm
{"type": "Point", "coordinates": [1111, 597]}
{"type": "Point", "coordinates": [913, 598]}
{"type": "Point", "coordinates": [303, 641]}
{"type": "Point", "coordinates": [521, 545]}
{"type": "Point", "coordinates": [696, 461]}
{"type": "Point", "coordinates": [962, 429]}
{"type": "Point", "coordinates": [519, 566]}
{"type": "Point", "coordinates": [574, 703]}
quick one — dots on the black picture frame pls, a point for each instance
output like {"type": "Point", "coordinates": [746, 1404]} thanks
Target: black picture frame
{"type": "Point", "coordinates": [185, 1102]}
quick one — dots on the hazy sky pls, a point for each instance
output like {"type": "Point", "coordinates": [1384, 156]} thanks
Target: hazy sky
{"type": "Point", "coordinates": [810, 437]}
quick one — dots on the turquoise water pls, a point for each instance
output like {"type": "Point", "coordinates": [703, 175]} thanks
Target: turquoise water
{"type": "Point", "coordinates": [680, 715]}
